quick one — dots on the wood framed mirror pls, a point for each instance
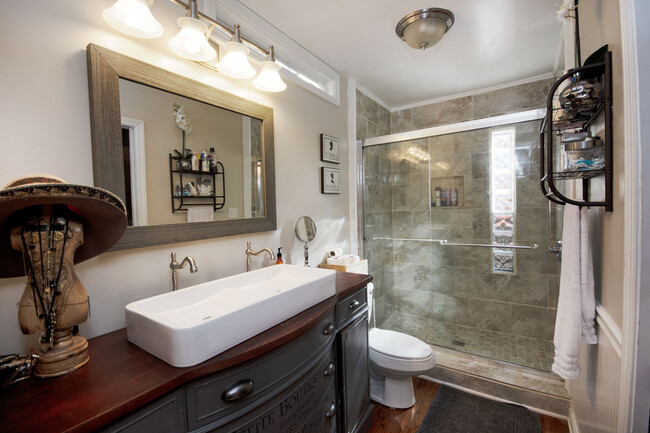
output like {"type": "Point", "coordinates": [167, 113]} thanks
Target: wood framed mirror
{"type": "Point", "coordinates": [106, 70]}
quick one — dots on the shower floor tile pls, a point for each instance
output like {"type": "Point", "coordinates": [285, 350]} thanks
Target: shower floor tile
{"type": "Point", "coordinates": [529, 352]}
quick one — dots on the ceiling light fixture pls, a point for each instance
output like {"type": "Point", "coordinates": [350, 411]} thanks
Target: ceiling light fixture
{"type": "Point", "coordinates": [134, 18]}
{"type": "Point", "coordinates": [269, 78]}
{"type": "Point", "coordinates": [235, 63]}
{"type": "Point", "coordinates": [424, 28]}
{"type": "Point", "coordinates": [191, 42]}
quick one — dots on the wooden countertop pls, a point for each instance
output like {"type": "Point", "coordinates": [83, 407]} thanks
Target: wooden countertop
{"type": "Point", "coordinates": [120, 377]}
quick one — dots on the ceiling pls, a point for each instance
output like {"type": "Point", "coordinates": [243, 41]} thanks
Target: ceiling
{"type": "Point", "coordinates": [492, 43]}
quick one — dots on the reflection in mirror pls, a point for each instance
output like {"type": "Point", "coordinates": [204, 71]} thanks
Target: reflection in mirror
{"type": "Point", "coordinates": [236, 143]}
{"type": "Point", "coordinates": [145, 176]}
{"type": "Point", "coordinates": [306, 232]}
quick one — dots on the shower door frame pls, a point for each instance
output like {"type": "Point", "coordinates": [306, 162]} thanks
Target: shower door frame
{"type": "Point", "coordinates": [488, 122]}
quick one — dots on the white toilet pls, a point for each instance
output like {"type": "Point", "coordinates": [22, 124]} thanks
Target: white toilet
{"type": "Point", "coordinates": [395, 358]}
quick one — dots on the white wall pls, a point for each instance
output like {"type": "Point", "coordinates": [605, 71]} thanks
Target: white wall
{"type": "Point", "coordinates": [45, 128]}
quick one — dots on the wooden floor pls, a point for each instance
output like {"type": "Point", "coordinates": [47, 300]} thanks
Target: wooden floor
{"type": "Point", "coordinates": [407, 421]}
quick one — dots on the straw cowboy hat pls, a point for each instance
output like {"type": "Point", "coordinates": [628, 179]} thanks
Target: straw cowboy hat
{"type": "Point", "coordinates": [101, 212]}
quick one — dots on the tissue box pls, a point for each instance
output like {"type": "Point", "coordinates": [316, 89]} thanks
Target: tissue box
{"type": "Point", "coordinates": [360, 267]}
{"type": "Point", "coordinates": [342, 260]}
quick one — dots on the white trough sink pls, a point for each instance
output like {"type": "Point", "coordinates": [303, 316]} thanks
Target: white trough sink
{"type": "Point", "coordinates": [188, 326]}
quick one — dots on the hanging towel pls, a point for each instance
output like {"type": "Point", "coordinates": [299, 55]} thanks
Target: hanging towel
{"type": "Point", "coordinates": [576, 308]}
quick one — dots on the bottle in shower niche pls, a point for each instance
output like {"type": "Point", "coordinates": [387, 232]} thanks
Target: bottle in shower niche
{"type": "Point", "coordinates": [437, 197]}
{"type": "Point", "coordinates": [453, 197]}
{"type": "Point", "coordinates": [195, 162]}
{"type": "Point", "coordinates": [443, 197]}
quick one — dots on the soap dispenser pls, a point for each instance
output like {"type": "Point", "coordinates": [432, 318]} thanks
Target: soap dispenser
{"type": "Point", "coordinates": [279, 255]}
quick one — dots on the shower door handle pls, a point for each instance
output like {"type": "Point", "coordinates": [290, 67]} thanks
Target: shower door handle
{"type": "Point", "coordinates": [557, 250]}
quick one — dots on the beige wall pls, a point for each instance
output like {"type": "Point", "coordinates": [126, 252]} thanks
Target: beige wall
{"type": "Point", "coordinates": [45, 128]}
{"type": "Point", "coordinates": [212, 127]}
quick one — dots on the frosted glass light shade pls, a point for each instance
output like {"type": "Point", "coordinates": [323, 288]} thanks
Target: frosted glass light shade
{"type": "Point", "coordinates": [235, 63]}
{"type": "Point", "coordinates": [425, 27]}
{"type": "Point", "coordinates": [134, 18]}
{"type": "Point", "coordinates": [191, 43]}
{"type": "Point", "coordinates": [269, 79]}
{"type": "Point", "coordinates": [425, 33]}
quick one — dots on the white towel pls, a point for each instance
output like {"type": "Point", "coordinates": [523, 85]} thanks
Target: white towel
{"type": "Point", "coordinates": [576, 308]}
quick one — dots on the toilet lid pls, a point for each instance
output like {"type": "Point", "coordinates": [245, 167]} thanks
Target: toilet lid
{"type": "Point", "coordinates": [397, 345]}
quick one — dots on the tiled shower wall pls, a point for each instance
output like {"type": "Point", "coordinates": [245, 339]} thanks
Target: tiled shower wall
{"type": "Point", "coordinates": [428, 289]}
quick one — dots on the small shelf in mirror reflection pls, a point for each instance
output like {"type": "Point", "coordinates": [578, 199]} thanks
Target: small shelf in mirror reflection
{"type": "Point", "coordinates": [182, 193]}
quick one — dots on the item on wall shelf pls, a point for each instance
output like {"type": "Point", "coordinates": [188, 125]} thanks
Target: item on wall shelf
{"type": "Point", "coordinates": [330, 180]}
{"type": "Point", "coordinates": [183, 160]}
{"type": "Point", "coordinates": [212, 161]}
{"type": "Point", "coordinates": [195, 162]}
{"type": "Point", "coordinates": [204, 161]}
{"type": "Point", "coordinates": [329, 149]}
{"type": "Point", "coordinates": [47, 226]}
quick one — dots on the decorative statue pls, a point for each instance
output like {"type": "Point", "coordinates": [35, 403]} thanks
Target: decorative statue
{"type": "Point", "coordinates": [46, 226]}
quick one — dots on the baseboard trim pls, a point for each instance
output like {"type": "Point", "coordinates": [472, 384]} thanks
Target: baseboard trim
{"type": "Point", "coordinates": [572, 421]}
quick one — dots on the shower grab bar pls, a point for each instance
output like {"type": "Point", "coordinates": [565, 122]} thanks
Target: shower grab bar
{"type": "Point", "coordinates": [504, 247]}
{"type": "Point", "coordinates": [378, 238]}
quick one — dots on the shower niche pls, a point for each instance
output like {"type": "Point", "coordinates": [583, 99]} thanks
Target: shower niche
{"type": "Point", "coordinates": [448, 191]}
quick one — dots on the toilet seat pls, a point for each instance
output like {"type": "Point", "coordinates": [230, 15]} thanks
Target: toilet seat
{"type": "Point", "coordinates": [394, 344]}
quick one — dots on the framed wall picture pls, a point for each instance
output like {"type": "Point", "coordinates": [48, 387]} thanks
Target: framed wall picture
{"type": "Point", "coordinates": [329, 149]}
{"type": "Point", "coordinates": [330, 180]}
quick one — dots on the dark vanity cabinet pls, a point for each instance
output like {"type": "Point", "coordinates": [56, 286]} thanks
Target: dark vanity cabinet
{"type": "Point", "coordinates": [316, 383]}
{"type": "Point", "coordinates": [308, 374]}
{"type": "Point", "coordinates": [355, 410]}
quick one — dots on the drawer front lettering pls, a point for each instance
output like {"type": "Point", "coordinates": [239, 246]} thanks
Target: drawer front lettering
{"type": "Point", "coordinates": [292, 412]}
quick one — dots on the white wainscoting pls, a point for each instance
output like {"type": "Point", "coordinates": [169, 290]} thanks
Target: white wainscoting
{"type": "Point", "coordinates": [595, 394]}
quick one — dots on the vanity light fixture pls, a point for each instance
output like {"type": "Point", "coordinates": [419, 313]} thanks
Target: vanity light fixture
{"type": "Point", "coordinates": [134, 18]}
{"type": "Point", "coordinates": [269, 78]}
{"type": "Point", "coordinates": [191, 42]}
{"type": "Point", "coordinates": [424, 28]}
{"type": "Point", "coordinates": [235, 62]}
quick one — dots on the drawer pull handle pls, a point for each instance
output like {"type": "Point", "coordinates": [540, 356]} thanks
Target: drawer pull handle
{"type": "Point", "coordinates": [329, 370]}
{"type": "Point", "coordinates": [331, 411]}
{"type": "Point", "coordinates": [237, 390]}
{"type": "Point", "coordinates": [329, 329]}
{"type": "Point", "coordinates": [354, 304]}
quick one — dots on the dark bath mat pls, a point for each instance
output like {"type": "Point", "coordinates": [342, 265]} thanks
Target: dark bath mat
{"type": "Point", "coordinates": [454, 411]}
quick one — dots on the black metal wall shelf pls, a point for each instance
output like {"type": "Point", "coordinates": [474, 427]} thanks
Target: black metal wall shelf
{"type": "Point", "coordinates": [181, 202]}
{"type": "Point", "coordinates": [558, 121]}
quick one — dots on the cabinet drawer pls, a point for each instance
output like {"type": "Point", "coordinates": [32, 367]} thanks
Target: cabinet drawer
{"type": "Point", "coordinates": [228, 394]}
{"type": "Point", "coordinates": [348, 307]}
{"type": "Point", "coordinates": [164, 415]}
{"type": "Point", "coordinates": [289, 411]}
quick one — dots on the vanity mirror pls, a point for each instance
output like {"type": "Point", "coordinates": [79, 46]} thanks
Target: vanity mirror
{"type": "Point", "coordinates": [254, 184]}
{"type": "Point", "coordinates": [306, 232]}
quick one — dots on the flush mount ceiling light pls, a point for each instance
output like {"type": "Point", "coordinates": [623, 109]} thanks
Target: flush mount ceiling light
{"type": "Point", "coordinates": [134, 18]}
{"type": "Point", "coordinates": [424, 28]}
{"type": "Point", "coordinates": [191, 42]}
{"type": "Point", "coordinates": [269, 78]}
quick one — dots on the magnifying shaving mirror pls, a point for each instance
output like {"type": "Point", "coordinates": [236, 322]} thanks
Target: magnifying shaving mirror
{"type": "Point", "coordinates": [306, 232]}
